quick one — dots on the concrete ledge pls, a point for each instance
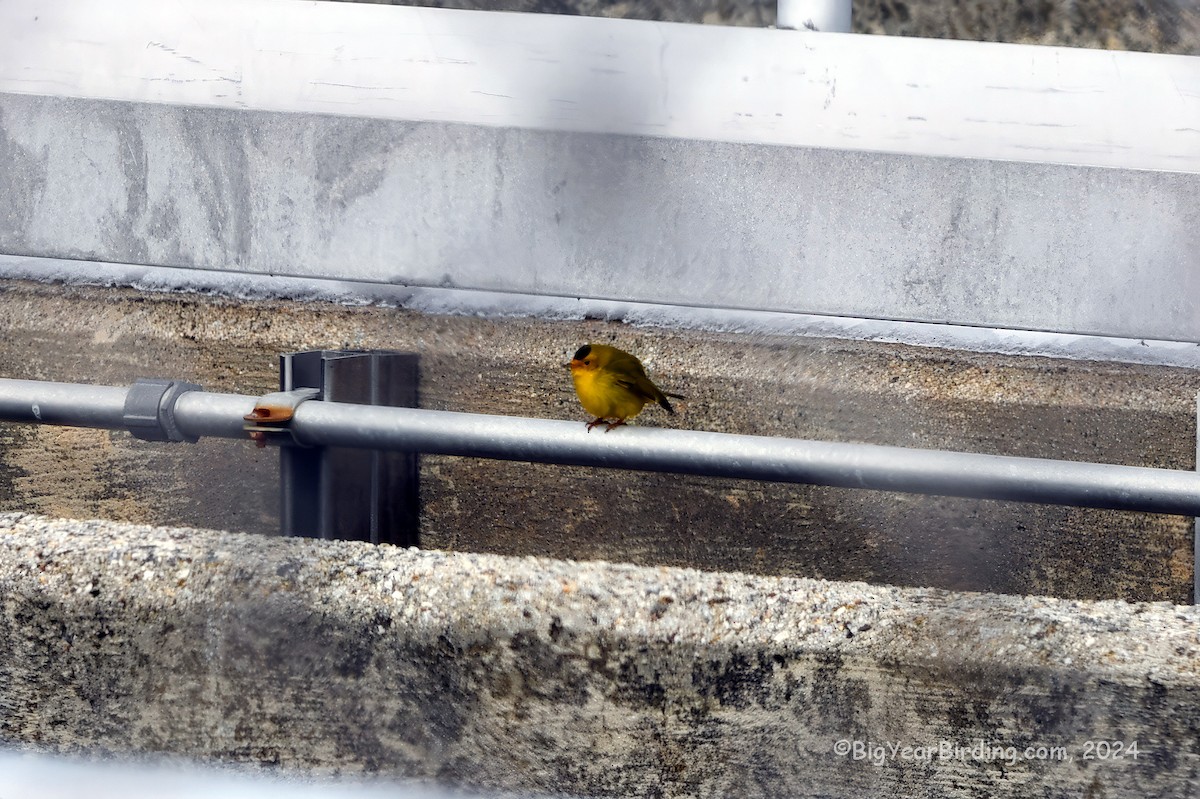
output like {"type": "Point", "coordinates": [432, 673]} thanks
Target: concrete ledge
{"type": "Point", "coordinates": [822, 389]}
{"type": "Point", "coordinates": [465, 302]}
{"type": "Point", "coordinates": [588, 678]}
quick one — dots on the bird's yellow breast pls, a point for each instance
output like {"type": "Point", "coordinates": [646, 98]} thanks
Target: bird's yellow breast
{"type": "Point", "coordinates": [602, 397]}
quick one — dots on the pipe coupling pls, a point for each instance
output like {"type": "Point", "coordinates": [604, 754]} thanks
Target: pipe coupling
{"type": "Point", "coordinates": [150, 409]}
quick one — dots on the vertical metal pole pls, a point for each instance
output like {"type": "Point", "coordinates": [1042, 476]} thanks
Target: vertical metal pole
{"type": "Point", "coordinates": [333, 492]}
{"type": "Point", "coordinates": [828, 16]}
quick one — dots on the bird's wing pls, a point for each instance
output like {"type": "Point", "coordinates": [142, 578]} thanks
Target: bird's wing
{"type": "Point", "coordinates": [640, 385]}
{"type": "Point", "coordinates": [632, 377]}
{"type": "Point", "coordinates": [643, 387]}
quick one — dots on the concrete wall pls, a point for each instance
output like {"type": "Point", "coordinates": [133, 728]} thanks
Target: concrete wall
{"type": "Point", "coordinates": [690, 223]}
{"type": "Point", "coordinates": [635, 161]}
{"type": "Point", "coordinates": [587, 679]}
{"type": "Point", "coordinates": [591, 678]}
{"type": "Point", "coordinates": [824, 389]}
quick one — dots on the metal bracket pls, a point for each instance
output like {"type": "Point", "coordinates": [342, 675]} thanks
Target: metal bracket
{"type": "Point", "coordinates": [149, 412]}
{"type": "Point", "coordinates": [272, 414]}
{"type": "Point", "coordinates": [342, 493]}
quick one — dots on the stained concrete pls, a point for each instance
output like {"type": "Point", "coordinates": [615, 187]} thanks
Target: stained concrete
{"type": "Point", "coordinates": [592, 679]}
{"type": "Point", "coordinates": [774, 385]}
{"type": "Point", "coordinates": [988, 243]}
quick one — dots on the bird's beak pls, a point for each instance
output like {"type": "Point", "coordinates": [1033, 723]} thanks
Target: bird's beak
{"type": "Point", "coordinates": [574, 364]}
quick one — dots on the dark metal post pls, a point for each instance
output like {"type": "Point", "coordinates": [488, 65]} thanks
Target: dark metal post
{"type": "Point", "coordinates": [351, 494]}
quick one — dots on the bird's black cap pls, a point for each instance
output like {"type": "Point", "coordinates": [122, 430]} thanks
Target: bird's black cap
{"type": "Point", "coordinates": [583, 352]}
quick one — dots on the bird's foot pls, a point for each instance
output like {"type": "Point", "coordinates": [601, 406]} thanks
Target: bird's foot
{"type": "Point", "coordinates": [593, 423]}
{"type": "Point", "coordinates": [614, 425]}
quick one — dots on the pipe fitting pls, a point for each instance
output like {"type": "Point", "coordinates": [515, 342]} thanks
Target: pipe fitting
{"type": "Point", "coordinates": [150, 409]}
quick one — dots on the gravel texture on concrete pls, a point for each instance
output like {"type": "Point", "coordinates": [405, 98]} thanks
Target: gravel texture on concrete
{"type": "Point", "coordinates": [531, 674]}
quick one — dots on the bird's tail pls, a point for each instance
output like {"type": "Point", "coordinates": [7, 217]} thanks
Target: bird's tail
{"type": "Point", "coordinates": [662, 400]}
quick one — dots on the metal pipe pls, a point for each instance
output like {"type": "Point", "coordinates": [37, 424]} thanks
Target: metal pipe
{"type": "Point", "coordinates": [202, 413]}
{"type": "Point", "coordinates": [70, 404]}
{"type": "Point", "coordinates": [883, 468]}
{"type": "Point", "coordinates": [753, 457]}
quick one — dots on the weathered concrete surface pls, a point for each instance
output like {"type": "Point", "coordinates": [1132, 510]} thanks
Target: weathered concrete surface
{"type": "Point", "coordinates": [772, 385]}
{"type": "Point", "coordinates": [594, 679]}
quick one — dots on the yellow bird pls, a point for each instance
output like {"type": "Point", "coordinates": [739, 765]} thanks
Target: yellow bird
{"type": "Point", "coordinates": [612, 384]}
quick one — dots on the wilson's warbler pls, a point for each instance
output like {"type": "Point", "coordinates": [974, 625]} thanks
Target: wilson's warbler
{"type": "Point", "coordinates": [612, 384]}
